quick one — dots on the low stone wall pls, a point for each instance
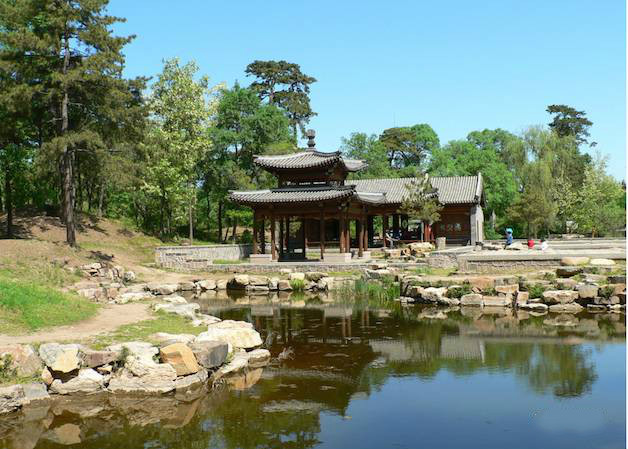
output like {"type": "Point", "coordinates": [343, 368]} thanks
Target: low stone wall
{"type": "Point", "coordinates": [198, 257]}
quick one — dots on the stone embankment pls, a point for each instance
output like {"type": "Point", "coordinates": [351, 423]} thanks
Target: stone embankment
{"type": "Point", "coordinates": [571, 288]}
{"type": "Point", "coordinates": [178, 363]}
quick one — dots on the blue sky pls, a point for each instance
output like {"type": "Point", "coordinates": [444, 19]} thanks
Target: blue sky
{"type": "Point", "coordinates": [457, 65]}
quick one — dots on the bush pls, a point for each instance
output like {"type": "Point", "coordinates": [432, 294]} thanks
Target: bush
{"type": "Point", "coordinates": [536, 291]}
{"type": "Point", "coordinates": [297, 285]}
{"type": "Point", "coordinates": [459, 292]}
{"type": "Point", "coordinates": [606, 291]}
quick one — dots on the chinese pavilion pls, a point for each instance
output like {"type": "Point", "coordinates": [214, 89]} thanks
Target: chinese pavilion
{"type": "Point", "coordinates": [313, 189]}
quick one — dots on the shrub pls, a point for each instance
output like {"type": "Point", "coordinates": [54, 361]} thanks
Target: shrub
{"type": "Point", "coordinates": [459, 292]}
{"type": "Point", "coordinates": [297, 285]}
{"type": "Point", "coordinates": [606, 291]}
{"type": "Point", "coordinates": [536, 291]}
{"type": "Point", "coordinates": [6, 371]}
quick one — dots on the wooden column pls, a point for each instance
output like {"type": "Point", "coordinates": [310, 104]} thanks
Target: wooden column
{"type": "Point", "coordinates": [273, 249]}
{"type": "Point", "coordinates": [359, 233]}
{"type": "Point", "coordinates": [255, 231]}
{"type": "Point", "coordinates": [396, 225]}
{"type": "Point", "coordinates": [370, 230]}
{"type": "Point", "coordinates": [384, 229]}
{"type": "Point", "coordinates": [347, 235]}
{"type": "Point", "coordinates": [365, 234]}
{"type": "Point", "coordinates": [341, 237]}
{"type": "Point", "coordinates": [322, 233]}
{"type": "Point", "coordinates": [262, 235]}
{"type": "Point", "coordinates": [304, 236]}
{"type": "Point", "coordinates": [281, 237]}
{"type": "Point", "coordinates": [288, 235]}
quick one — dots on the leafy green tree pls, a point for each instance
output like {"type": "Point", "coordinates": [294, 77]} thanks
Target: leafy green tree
{"type": "Point", "coordinates": [568, 121]}
{"type": "Point", "coordinates": [283, 84]}
{"type": "Point", "coordinates": [410, 146]}
{"type": "Point", "coordinates": [182, 108]}
{"type": "Point", "coordinates": [421, 201]}
{"type": "Point", "coordinates": [600, 205]}
{"type": "Point", "coordinates": [370, 149]}
{"type": "Point", "coordinates": [464, 158]}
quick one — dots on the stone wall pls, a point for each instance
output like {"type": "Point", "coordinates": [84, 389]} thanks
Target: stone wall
{"type": "Point", "coordinates": [198, 257]}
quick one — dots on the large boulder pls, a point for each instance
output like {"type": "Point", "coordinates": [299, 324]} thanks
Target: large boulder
{"type": "Point", "coordinates": [482, 283]}
{"type": "Point", "coordinates": [283, 285]}
{"type": "Point", "coordinates": [180, 357]}
{"type": "Point", "coordinates": [434, 294]}
{"type": "Point", "coordinates": [617, 279]}
{"type": "Point", "coordinates": [567, 272]}
{"type": "Point", "coordinates": [471, 299]}
{"type": "Point", "coordinates": [566, 283]}
{"type": "Point", "coordinates": [601, 262]}
{"type": "Point", "coordinates": [420, 247]}
{"type": "Point", "coordinates": [314, 276]}
{"type": "Point", "coordinates": [573, 307]}
{"type": "Point", "coordinates": [574, 261]}
{"type": "Point", "coordinates": [507, 289]}
{"type": "Point", "coordinates": [237, 334]}
{"type": "Point", "coordinates": [60, 358]}
{"type": "Point", "coordinates": [191, 381]}
{"type": "Point", "coordinates": [163, 289]}
{"type": "Point", "coordinates": [258, 281]}
{"type": "Point", "coordinates": [88, 381]}
{"type": "Point", "coordinates": [165, 338]}
{"type": "Point", "coordinates": [559, 296]}
{"type": "Point", "coordinates": [173, 299]}
{"type": "Point", "coordinates": [587, 291]}
{"type": "Point", "coordinates": [137, 349]}
{"type": "Point", "coordinates": [210, 354]}
{"type": "Point", "coordinates": [207, 284]}
{"type": "Point", "coordinates": [238, 282]}
{"type": "Point", "coordinates": [497, 301]}
{"type": "Point", "coordinates": [23, 359]}
{"type": "Point", "coordinates": [92, 358]}
{"type": "Point", "coordinates": [185, 310]}
{"type": "Point", "coordinates": [159, 378]}
{"type": "Point", "coordinates": [296, 276]}
{"type": "Point", "coordinates": [258, 358]}
{"type": "Point", "coordinates": [11, 398]}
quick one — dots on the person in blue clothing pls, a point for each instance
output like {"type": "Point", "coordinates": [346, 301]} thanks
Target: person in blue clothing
{"type": "Point", "coordinates": [508, 236]}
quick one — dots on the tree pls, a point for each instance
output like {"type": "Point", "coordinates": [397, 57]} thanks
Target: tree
{"type": "Point", "coordinates": [283, 84]}
{"type": "Point", "coordinates": [421, 201]}
{"type": "Point", "coordinates": [600, 204]}
{"type": "Point", "coordinates": [64, 54]}
{"type": "Point", "coordinates": [372, 151]}
{"type": "Point", "coordinates": [568, 121]}
{"type": "Point", "coordinates": [464, 158]}
{"type": "Point", "coordinates": [182, 108]}
{"type": "Point", "coordinates": [410, 146]}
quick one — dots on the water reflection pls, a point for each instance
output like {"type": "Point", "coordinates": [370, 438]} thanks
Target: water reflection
{"type": "Point", "coordinates": [341, 360]}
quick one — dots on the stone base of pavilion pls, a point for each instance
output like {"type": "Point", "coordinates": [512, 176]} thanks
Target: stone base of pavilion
{"type": "Point", "coordinates": [328, 257]}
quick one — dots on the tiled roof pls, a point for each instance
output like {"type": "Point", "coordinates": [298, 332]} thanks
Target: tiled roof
{"type": "Point", "coordinates": [450, 189]}
{"type": "Point", "coordinates": [305, 194]}
{"type": "Point", "coordinates": [308, 159]}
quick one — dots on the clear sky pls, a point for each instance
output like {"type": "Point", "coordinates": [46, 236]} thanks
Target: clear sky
{"type": "Point", "coordinates": [459, 66]}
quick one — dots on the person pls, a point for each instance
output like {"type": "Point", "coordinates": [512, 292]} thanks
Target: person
{"type": "Point", "coordinates": [508, 236]}
{"type": "Point", "coordinates": [544, 245]}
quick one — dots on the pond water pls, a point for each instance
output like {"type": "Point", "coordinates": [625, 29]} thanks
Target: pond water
{"type": "Point", "coordinates": [346, 376]}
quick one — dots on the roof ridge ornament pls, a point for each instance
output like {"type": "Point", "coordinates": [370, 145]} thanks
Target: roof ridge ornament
{"type": "Point", "coordinates": [311, 135]}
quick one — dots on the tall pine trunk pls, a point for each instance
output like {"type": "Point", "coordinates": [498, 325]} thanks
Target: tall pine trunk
{"type": "Point", "coordinates": [8, 201]}
{"type": "Point", "coordinates": [68, 176]}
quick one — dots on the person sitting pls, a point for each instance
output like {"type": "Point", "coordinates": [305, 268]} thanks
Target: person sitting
{"type": "Point", "coordinates": [544, 245]}
{"type": "Point", "coordinates": [509, 237]}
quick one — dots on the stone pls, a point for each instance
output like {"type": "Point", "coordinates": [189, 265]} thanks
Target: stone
{"type": "Point", "coordinates": [238, 282]}
{"type": "Point", "coordinates": [88, 381]}
{"type": "Point", "coordinates": [173, 338]}
{"type": "Point", "coordinates": [601, 262]}
{"type": "Point", "coordinates": [221, 284]}
{"type": "Point", "coordinates": [559, 296]}
{"type": "Point", "coordinates": [67, 434]}
{"type": "Point", "coordinates": [574, 261]}
{"type": "Point", "coordinates": [507, 289]}
{"type": "Point", "coordinates": [61, 358]}
{"type": "Point", "coordinates": [497, 301]}
{"type": "Point", "coordinates": [124, 298]}
{"type": "Point", "coordinates": [522, 297]}
{"type": "Point", "coordinates": [258, 358]}
{"type": "Point", "coordinates": [283, 285]}
{"type": "Point", "coordinates": [185, 310]}
{"type": "Point", "coordinates": [378, 265]}
{"type": "Point", "coordinates": [471, 299]}
{"type": "Point", "coordinates": [46, 376]}
{"type": "Point", "coordinates": [239, 362]}
{"type": "Point", "coordinates": [11, 398]}
{"type": "Point", "coordinates": [481, 284]}
{"type": "Point", "coordinates": [143, 376]}
{"type": "Point", "coordinates": [567, 272]}
{"type": "Point", "coordinates": [163, 289]}
{"type": "Point", "coordinates": [137, 349]}
{"type": "Point", "coordinates": [433, 294]}
{"type": "Point", "coordinates": [515, 247]}
{"type": "Point", "coordinates": [617, 279]}
{"type": "Point", "coordinates": [210, 354]}
{"type": "Point", "coordinates": [384, 274]}
{"type": "Point", "coordinates": [258, 281]}
{"type": "Point", "coordinates": [314, 276]}
{"type": "Point", "coordinates": [186, 286]}
{"type": "Point", "coordinates": [34, 392]}
{"type": "Point", "coordinates": [92, 358]}
{"type": "Point", "coordinates": [591, 278]}
{"type": "Point", "coordinates": [273, 283]}
{"type": "Point", "coordinates": [534, 306]}
{"type": "Point", "coordinates": [238, 334]}
{"type": "Point", "coordinates": [611, 301]}
{"type": "Point", "coordinates": [296, 276]}
{"type": "Point", "coordinates": [285, 270]}
{"type": "Point", "coordinates": [326, 283]}
{"type": "Point", "coordinates": [24, 359]}
{"type": "Point", "coordinates": [129, 276]}
{"type": "Point", "coordinates": [420, 247]}
{"type": "Point", "coordinates": [573, 307]}
{"type": "Point", "coordinates": [180, 357]}
{"type": "Point", "coordinates": [392, 253]}
{"type": "Point", "coordinates": [191, 381]}
{"type": "Point", "coordinates": [207, 284]}
{"type": "Point", "coordinates": [173, 299]}
{"type": "Point", "coordinates": [566, 284]}
{"type": "Point", "coordinates": [204, 320]}
{"type": "Point", "coordinates": [587, 291]}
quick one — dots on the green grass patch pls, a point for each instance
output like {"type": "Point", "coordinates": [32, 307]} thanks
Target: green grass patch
{"type": "Point", "coordinates": [536, 291]}
{"type": "Point", "coordinates": [165, 322]}
{"type": "Point", "coordinates": [27, 307]}
{"type": "Point", "coordinates": [371, 293]}
{"type": "Point", "coordinates": [297, 285]}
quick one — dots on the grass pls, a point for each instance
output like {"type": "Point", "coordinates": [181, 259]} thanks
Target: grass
{"type": "Point", "coordinates": [372, 293]}
{"type": "Point", "coordinates": [165, 322]}
{"type": "Point", "coordinates": [536, 291]}
{"type": "Point", "coordinates": [297, 285]}
{"type": "Point", "coordinates": [28, 307]}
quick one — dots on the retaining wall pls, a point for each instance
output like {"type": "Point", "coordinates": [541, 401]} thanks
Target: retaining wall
{"type": "Point", "coordinates": [198, 257]}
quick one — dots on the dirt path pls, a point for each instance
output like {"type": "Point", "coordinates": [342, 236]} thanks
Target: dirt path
{"type": "Point", "coordinates": [108, 319]}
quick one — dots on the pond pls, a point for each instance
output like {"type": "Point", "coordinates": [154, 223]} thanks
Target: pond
{"type": "Point", "coordinates": [347, 375]}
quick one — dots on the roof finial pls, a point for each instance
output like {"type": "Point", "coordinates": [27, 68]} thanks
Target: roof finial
{"type": "Point", "coordinates": [310, 134]}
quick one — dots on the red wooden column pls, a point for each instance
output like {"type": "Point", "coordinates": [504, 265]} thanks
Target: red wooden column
{"type": "Point", "coordinates": [365, 233]}
{"type": "Point", "coordinates": [273, 248]}
{"type": "Point", "coordinates": [322, 234]}
{"type": "Point", "coordinates": [341, 237]}
{"type": "Point", "coordinates": [359, 230]}
{"type": "Point", "coordinates": [255, 249]}
{"type": "Point", "coordinates": [262, 235]}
